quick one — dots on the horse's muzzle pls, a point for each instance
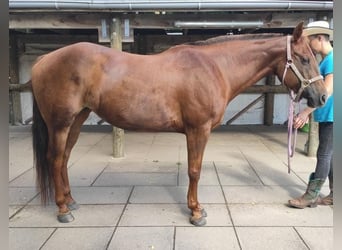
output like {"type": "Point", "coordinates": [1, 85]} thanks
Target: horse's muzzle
{"type": "Point", "coordinates": [314, 98]}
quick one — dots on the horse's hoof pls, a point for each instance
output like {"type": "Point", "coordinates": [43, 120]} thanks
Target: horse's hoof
{"type": "Point", "coordinates": [204, 213]}
{"type": "Point", "coordinates": [73, 205]}
{"type": "Point", "coordinates": [65, 217]}
{"type": "Point", "coordinates": [198, 222]}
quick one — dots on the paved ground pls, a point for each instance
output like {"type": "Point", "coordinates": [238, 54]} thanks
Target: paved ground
{"type": "Point", "coordinates": [139, 201]}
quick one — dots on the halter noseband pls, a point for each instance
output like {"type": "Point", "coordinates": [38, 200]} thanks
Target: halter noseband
{"type": "Point", "coordinates": [303, 82]}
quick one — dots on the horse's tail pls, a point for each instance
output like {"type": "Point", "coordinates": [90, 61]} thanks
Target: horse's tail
{"type": "Point", "coordinates": [40, 140]}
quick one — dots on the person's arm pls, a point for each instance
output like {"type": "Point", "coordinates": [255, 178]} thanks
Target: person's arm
{"type": "Point", "coordinates": [328, 83]}
{"type": "Point", "coordinates": [303, 116]}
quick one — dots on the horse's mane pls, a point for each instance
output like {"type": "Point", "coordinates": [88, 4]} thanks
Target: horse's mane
{"type": "Point", "coordinates": [225, 38]}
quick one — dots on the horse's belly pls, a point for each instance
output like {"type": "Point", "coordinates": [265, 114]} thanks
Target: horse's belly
{"type": "Point", "coordinates": [141, 117]}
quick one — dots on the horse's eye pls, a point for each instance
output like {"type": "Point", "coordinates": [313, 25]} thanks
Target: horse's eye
{"type": "Point", "coordinates": [305, 60]}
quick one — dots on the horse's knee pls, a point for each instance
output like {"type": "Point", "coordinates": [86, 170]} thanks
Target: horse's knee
{"type": "Point", "coordinates": [194, 174]}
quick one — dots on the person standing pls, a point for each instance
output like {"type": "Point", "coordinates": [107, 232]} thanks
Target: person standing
{"type": "Point", "coordinates": [319, 35]}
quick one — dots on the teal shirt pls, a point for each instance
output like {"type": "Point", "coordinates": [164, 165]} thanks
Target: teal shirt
{"type": "Point", "coordinates": [326, 112]}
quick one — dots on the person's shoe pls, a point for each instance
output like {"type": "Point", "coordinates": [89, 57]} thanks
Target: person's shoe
{"type": "Point", "coordinates": [311, 196]}
{"type": "Point", "coordinates": [327, 200]}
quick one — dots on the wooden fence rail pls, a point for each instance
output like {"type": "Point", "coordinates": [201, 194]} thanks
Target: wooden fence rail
{"type": "Point", "coordinates": [256, 89]}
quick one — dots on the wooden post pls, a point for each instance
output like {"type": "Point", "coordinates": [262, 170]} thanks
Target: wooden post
{"type": "Point", "coordinates": [269, 102]}
{"type": "Point", "coordinates": [14, 97]}
{"type": "Point", "coordinates": [118, 133]}
{"type": "Point", "coordinates": [312, 143]}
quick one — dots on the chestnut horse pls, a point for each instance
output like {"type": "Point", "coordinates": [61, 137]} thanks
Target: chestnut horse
{"type": "Point", "coordinates": [184, 89]}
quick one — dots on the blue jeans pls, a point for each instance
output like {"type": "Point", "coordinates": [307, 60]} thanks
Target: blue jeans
{"type": "Point", "coordinates": [324, 166]}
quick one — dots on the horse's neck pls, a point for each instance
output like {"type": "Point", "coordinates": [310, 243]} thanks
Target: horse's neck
{"type": "Point", "coordinates": [249, 62]}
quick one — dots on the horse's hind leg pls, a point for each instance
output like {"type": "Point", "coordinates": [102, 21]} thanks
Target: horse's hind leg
{"type": "Point", "coordinates": [197, 139]}
{"type": "Point", "coordinates": [56, 150]}
{"type": "Point", "coordinates": [71, 141]}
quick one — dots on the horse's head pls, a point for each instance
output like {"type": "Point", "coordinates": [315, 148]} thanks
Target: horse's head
{"type": "Point", "coordinates": [300, 71]}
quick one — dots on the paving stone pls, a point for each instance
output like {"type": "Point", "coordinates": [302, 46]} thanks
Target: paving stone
{"type": "Point", "coordinates": [278, 177]}
{"type": "Point", "coordinates": [90, 139]}
{"type": "Point", "coordinates": [27, 179]}
{"type": "Point", "coordinates": [206, 238]}
{"type": "Point", "coordinates": [270, 169]}
{"type": "Point", "coordinates": [280, 215]}
{"type": "Point", "coordinates": [167, 139]}
{"type": "Point", "coordinates": [220, 153]}
{"type": "Point", "coordinates": [19, 163]}
{"type": "Point", "coordinates": [21, 195]}
{"type": "Point", "coordinates": [317, 238]}
{"type": "Point", "coordinates": [78, 152]}
{"type": "Point", "coordinates": [96, 195]}
{"type": "Point", "coordinates": [128, 238]}
{"type": "Point", "coordinates": [28, 238]}
{"type": "Point", "coordinates": [132, 179]}
{"type": "Point", "coordinates": [241, 174]}
{"type": "Point", "coordinates": [14, 209]}
{"type": "Point", "coordinates": [165, 194]}
{"type": "Point", "coordinates": [232, 138]}
{"type": "Point", "coordinates": [86, 215]}
{"type": "Point", "coordinates": [146, 166]}
{"type": "Point", "coordinates": [171, 215]}
{"type": "Point", "coordinates": [79, 238]}
{"type": "Point", "coordinates": [299, 162]}
{"type": "Point", "coordinates": [261, 194]}
{"type": "Point", "coordinates": [260, 155]}
{"type": "Point", "coordinates": [163, 152]}
{"type": "Point", "coordinates": [269, 238]}
{"type": "Point", "coordinates": [85, 175]}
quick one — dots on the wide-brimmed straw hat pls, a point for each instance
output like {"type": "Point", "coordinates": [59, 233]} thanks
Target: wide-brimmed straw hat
{"type": "Point", "coordinates": [318, 28]}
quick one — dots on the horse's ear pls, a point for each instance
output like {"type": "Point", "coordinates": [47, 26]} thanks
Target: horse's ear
{"type": "Point", "coordinates": [297, 32]}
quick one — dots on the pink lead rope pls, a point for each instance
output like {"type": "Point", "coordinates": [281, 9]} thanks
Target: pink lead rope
{"type": "Point", "coordinates": [291, 142]}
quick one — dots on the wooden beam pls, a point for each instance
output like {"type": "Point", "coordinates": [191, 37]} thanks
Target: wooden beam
{"type": "Point", "coordinates": [256, 89]}
{"type": "Point", "coordinates": [276, 89]}
{"type": "Point", "coordinates": [269, 102]}
{"type": "Point", "coordinates": [20, 87]}
{"type": "Point", "coordinates": [55, 39]}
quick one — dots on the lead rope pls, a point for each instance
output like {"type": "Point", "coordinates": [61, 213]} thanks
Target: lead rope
{"type": "Point", "coordinates": [291, 142]}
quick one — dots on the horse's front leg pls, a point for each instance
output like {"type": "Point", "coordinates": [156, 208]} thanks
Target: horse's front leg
{"type": "Point", "coordinates": [196, 141]}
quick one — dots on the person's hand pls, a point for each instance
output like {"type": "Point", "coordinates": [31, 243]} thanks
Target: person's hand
{"type": "Point", "coordinates": [300, 120]}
